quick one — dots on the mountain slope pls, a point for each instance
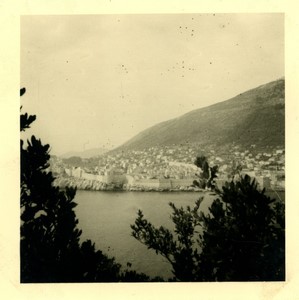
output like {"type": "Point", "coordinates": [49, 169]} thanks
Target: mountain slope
{"type": "Point", "coordinates": [254, 117]}
{"type": "Point", "coordinates": [84, 154]}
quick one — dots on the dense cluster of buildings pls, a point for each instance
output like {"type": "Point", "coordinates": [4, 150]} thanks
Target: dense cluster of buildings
{"type": "Point", "coordinates": [173, 167]}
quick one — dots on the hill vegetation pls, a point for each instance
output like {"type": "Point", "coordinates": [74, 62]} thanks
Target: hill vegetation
{"type": "Point", "coordinates": [84, 154]}
{"type": "Point", "coordinates": [254, 117]}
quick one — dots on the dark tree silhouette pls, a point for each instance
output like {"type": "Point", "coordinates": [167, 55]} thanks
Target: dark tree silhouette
{"type": "Point", "coordinates": [50, 240]}
{"type": "Point", "coordinates": [201, 162]}
{"type": "Point", "coordinates": [244, 238]}
{"type": "Point", "coordinates": [235, 169]}
{"type": "Point", "coordinates": [206, 179]}
{"type": "Point", "coordinates": [241, 239]}
{"type": "Point", "coordinates": [180, 250]}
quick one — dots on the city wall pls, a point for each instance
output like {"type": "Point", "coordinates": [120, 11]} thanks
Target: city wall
{"type": "Point", "coordinates": [130, 181]}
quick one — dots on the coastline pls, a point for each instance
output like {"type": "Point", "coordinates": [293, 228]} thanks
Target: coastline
{"type": "Point", "coordinates": [92, 185]}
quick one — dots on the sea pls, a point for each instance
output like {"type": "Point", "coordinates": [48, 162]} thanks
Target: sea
{"type": "Point", "coordinates": [105, 218]}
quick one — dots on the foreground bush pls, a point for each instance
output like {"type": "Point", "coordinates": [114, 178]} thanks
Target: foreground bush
{"type": "Point", "coordinates": [50, 240]}
{"type": "Point", "coordinates": [242, 238]}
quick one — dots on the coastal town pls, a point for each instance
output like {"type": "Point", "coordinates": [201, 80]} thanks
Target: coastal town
{"type": "Point", "coordinates": [169, 168]}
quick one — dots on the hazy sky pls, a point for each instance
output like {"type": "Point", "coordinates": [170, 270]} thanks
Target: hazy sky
{"type": "Point", "coordinates": [98, 80]}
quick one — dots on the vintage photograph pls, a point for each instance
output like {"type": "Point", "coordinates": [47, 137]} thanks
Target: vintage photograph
{"type": "Point", "coordinates": [152, 148]}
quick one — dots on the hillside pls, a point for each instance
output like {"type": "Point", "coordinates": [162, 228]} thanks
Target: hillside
{"type": "Point", "coordinates": [84, 154]}
{"type": "Point", "coordinates": [253, 117]}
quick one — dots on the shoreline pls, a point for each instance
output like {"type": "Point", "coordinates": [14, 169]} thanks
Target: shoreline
{"type": "Point", "coordinates": [91, 185]}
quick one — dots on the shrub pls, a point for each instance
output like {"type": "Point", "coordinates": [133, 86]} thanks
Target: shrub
{"type": "Point", "coordinates": [242, 238]}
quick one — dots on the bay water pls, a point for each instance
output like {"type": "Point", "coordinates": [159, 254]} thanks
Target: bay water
{"type": "Point", "coordinates": [105, 218]}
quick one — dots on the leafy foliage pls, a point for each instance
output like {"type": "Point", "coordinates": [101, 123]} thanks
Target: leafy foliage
{"type": "Point", "coordinates": [26, 120]}
{"type": "Point", "coordinates": [234, 171]}
{"type": "Point", "coordinates": [240, 239]}
{"type": "Point", "coordinates": [206, 179]}
{"type": "Point", "coordinates": [50, 240]}
{"type": "Point", "coordinates": [244, 238]}
{"type": "Point", "coordinates": [179, 250]}
{"type": "Point", "coordinates": [74, 161]}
